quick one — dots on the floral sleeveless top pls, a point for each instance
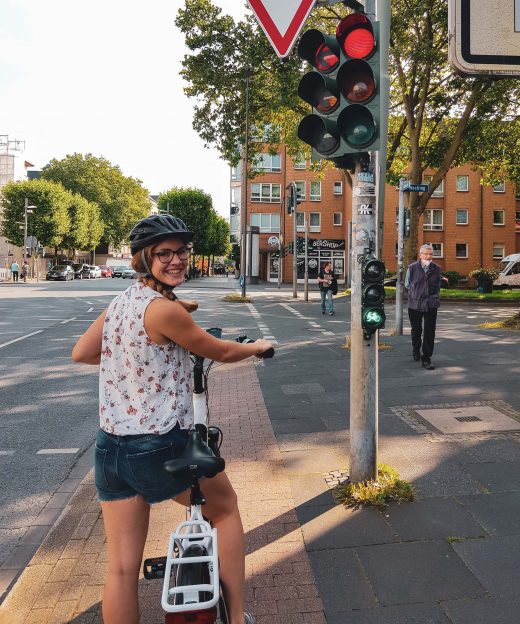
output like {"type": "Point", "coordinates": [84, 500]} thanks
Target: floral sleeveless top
{"type": "Point", "coordinates": [143, 387]}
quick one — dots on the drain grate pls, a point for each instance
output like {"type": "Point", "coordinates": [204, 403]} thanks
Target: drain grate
{"type": "Point", "coordinates": [468, 418]}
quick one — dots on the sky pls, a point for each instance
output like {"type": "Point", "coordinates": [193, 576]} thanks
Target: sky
{"type": "Point", "coordinates": [102, 77]}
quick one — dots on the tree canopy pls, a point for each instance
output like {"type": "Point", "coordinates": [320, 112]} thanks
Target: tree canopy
{"type": "Point", "coordinates": [437, 119]}
{"type": "Point", "coordinates": [122, 200]}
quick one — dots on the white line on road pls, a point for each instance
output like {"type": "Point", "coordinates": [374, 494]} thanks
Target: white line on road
{"type": "Point", "coordinates": [68, 320]}
{"type": "Point", "coordinates": [6, 452]}
{"type": "Point", "coordinates": [90, 309]}
{"type": "Point", "coordinates": [5, 344]}
{"type": "Point", "coordinates": [57, 451]}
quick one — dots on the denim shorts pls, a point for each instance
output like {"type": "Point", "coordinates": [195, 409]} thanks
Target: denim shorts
{"type": "Point", "coordinates": [127, 466]}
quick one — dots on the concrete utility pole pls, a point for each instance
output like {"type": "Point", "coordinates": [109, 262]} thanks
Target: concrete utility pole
{"type": "Point", "coordinates": [294, 201]}
{"type": "Point", "coordinates": [363, 352]}
{"type": "Point", "coordinates": [243, 249]}
{"type": "Point", "coordinates": [400, 255]}
{"type": "Point", "coordinates": [306, 273]}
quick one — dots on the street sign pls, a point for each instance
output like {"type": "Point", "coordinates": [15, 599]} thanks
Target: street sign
{"type": "Point", "coordinates": [416, 188]}
{"type": "Point", "coordinates": [484, 37]}
{"type": "Point", "coordinates": [31, 242]}
{"type": "Point", "coordinates": [282, 21]}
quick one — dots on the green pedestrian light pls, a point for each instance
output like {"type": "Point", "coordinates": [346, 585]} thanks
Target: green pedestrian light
{"type": "Point", "coordinates": [372, 296]}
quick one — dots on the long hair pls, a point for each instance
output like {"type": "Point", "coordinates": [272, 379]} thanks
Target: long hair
{"type": "Point", "coordinates": [149, 280]}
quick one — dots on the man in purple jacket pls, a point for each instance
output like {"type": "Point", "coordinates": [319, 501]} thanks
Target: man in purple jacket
{"type": "Point", "coordinates": [423, 281]}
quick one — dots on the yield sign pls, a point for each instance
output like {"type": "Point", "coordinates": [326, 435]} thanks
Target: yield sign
{"type": "Point", "coordinates": [282, 21]}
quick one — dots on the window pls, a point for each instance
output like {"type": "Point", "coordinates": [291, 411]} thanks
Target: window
{"type": "Point", "coordinates": [337, 218]}
{"type": "Point", "coordinates": [438, 249]}
{"type": "Point", "coordinates": [517, 215]}
{"type": "Point", "coordinates": [300, 162]}
{"type": "Point", "coordinates": [300, 189]}
{"type": "Point", "coordinates": [315, 191]}
{"type": "Point", "coordinates": [499, 251]}
{"type": "Point", "coordinates": [439, 191]}
{"type": "Point", "coordinates": [269, 193]}
{"type": "Point", "coordinates": [500, 188]}
{"type": "Point", "coordinates": [462, 183]}
{"type": "Point", "coordinates": [236, 172]}
{"type": "Point", "coordinates": [300, 221]}
{"type": "Point", "coordinates": [267, 222]}
{"type": "Point", "coordinates": [499, 217]}
{"type": "Point", "coordinates": [462, 216]}
{"type": "Point", "coordinates": [461, 250]}
{"type": "Point", "coordinates": [338, 188]}
{"type": "Point", "coordinates": [433, 220]}
{"type": "Point", "coordinates": [268, 162]}
{"type": "Point", "coordinates": [315, 222]}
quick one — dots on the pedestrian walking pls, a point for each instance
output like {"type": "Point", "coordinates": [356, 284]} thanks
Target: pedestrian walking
{"type": "Point", "coordinates": [328, 287]}
{"type": "Point", "coordinates": [15, 268]}
{"type": "Point", "coordinates": [423, 281]}
{"type": "Point", "coordinates": [143, 343]}
{"type": "Point", "coordinates": [24, 271]}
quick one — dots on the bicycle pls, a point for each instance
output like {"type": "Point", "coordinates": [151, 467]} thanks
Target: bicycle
{"type": "Point", "coordinates": [191, 591]}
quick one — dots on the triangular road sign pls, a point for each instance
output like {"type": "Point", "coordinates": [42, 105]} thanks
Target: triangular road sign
{"type": "Point", "coordinates": [282, 21]}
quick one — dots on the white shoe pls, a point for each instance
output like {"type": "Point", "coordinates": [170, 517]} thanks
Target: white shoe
{"type": "Point", "coordinates": [248, 618]}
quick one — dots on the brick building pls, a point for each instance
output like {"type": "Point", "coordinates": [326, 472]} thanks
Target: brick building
{"type": "Point", "coordinates": [468, 224]}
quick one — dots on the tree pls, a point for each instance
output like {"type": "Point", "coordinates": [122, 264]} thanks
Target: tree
{"type": "Point", "coordinates": [50, 220]}
{"type": "Point", "coordinates": [122, 200]}
{"type": "Point", "coordinates": [195, 208]}
{"type": "Point", "coordinates": [437, 119]}
{"type": "Point", "coordinates": [86, 227]}
{"type": "Point", "coordinates": [219, 244]}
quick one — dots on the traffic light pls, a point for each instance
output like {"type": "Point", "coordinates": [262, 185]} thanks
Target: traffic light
{"type": "Point", "coordinates": [372, 295]}
{"type": "Point", "coordinates": [294, 198]}
{"type": "Point", "coordinates": [343, 90]}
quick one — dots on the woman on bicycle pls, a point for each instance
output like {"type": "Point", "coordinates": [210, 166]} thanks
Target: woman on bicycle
{"type": "Point", "coordinates": [143, 343]}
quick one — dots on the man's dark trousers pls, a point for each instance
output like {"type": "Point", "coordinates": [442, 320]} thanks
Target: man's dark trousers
{"type": "Point", "coordinates": [428, 336]}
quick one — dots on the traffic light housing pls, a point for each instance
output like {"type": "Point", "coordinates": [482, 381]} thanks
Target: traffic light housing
{"type": "Point", "coordinates": [372, 295]}
{"type": "Point", "coordinates": [343, 90]}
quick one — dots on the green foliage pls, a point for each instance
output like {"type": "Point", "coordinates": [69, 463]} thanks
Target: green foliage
{"type": "Point", "coordinates": [388, 487]}
{"type": "Point", "coordinates": [122, 200]}
{"type": "Point", "coordinates": [513, 322]}
{"type": "Point", "coordinates": [481, 272]}
{"type": "Point", "coordinates": [49, 222]}
{"type": "Point", "coordinates": [454, 277]}
{"type": "Point", "coordinates": [219, 244]}
{"type": "Point", "coordinates": [86, 227]}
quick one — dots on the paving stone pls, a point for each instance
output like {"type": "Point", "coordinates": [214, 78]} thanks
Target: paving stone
{"type": "Point", "coordinates": [432, 518]}
{"type": "Point", "coordinates": [497, 513]}
{"type": "Point", "coordinates": [496, 477]}
{"type": "Point", "coordinates": [502, 610]}
{"type": "Point", "coordinates": [310, 490]}
{"type": "Point", "coordinates": [419, 572]}
{"type": "Point", "coordinates": [297, 462]}
{"type": "Point", "coordinates": [297, 425]}
{"type": "Point", "coordinates": [424, 613]}
{"type": "Point", "coordinates": [494, 561]}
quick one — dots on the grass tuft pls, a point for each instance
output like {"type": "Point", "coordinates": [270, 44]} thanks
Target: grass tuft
{"type": "Point", "coordinates": [513, 322]}
{"type": "Point", "coordinates": [235, 298]}
{"type": "Point", "coordinates": [382, 346]}
{"type": "Point", "coordinates": [388, 487]}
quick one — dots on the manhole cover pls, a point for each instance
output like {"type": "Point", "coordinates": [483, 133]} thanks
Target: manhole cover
{"type": "Point", "coordinates": [467, 418]}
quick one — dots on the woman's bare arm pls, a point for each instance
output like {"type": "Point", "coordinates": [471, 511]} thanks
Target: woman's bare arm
{"type": "Point", "coordinates": [88, 347]}
{"type": "Point", "coordinates": [171, 320]}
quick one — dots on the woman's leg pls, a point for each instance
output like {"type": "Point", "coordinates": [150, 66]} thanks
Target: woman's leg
{"type": "Point", "coordinates": [222, 509]}
{"type": "Point", "coordinates": [126, 527]}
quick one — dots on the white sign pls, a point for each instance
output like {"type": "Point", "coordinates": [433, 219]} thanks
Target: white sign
{"type": "Point", "coordinates": [273, 241]}
{"type": "Point", "coordinates": [282, 21]}
{"type": "Point", "coordinates": [484, 37]}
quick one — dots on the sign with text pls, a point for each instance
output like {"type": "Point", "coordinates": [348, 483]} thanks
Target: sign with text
{"type": "Point", "coordinates": [282, 21]}
{"type": "Point", "coordinates": [484, 37]}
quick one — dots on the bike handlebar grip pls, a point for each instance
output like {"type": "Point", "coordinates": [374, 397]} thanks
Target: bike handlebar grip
{"type": "Point", "coordinates": [267, 354]}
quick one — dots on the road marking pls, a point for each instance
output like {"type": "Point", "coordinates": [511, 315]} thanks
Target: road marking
{"type": "Point", "coordinates": [68, 320]}
{"type": "Point", "coordinates": [6, 344]}
{"type": "Point", "coordinates": [90, 309]}
{"type": "Point", "coordinates": [6, 452]}
{"type": "Point", "coordinates": [65, 451]}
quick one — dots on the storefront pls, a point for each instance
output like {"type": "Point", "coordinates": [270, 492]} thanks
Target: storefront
{"type": "Point", "coordinates": [320, 252]}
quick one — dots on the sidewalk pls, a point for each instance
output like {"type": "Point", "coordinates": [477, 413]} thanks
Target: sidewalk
{"type": "Point", "coordinates": [63, 582]}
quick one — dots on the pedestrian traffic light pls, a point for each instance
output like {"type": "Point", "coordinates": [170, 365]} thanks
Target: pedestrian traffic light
{"type": "Point", "coordinates": [343, 89]}
{"type": "Point", "coordinates": [372, 295]}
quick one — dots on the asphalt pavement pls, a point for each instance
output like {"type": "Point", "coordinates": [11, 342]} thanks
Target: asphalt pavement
{"type": "Point", "coordinates": [452, 556]}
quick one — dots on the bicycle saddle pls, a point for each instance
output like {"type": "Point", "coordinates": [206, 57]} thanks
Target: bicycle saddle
{"type": "Point", "coordinates": [197, 460]}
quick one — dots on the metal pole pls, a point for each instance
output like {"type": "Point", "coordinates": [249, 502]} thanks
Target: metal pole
{"type": "Point", "coordinates": [363, 352]}
{"type": "Point", "coordinates": [349, 254]}
{"type": "Point", "coordinates": [25, 229]}
{"type": "Point", "coordinates": [295, 243]}
{"type": "Point", "coordinates": [400, 254]}
{"type": "Point", "coordinates": [306, 282]}
{"type": "Point", "coordinates": [243, 268]}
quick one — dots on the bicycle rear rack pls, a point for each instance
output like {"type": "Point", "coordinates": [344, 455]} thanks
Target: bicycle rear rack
{"type": "Point", "coordinates": [195, 531]}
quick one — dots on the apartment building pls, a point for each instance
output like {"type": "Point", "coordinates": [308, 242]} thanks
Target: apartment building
{"type": "Point", "coordinates": [468, 224]}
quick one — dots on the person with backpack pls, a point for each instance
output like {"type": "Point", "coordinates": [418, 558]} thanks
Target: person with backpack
{"type": "Point", "coordinates": [328, 287]}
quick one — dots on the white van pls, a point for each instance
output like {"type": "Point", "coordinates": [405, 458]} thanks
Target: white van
{"type": "Point", "coordinates": [509, 271]}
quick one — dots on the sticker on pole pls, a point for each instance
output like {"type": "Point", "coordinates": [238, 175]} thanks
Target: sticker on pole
{"type": "Point", "coordinates": [282, 21]}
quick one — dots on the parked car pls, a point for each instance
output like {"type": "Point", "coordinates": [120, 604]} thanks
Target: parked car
{"type": "Point", "coordinates": [118, 271]}
{"type": "Point", "coordinates": [60, 272]}
{"type": "Point", "coordinates": [106, 271]}
{"type": "Point", "coordinates": [509, 276]}
{"type": "Point", "coordinates": [130, 273]}
{"type": "Point", "coordinates": [95, 271]}
{"type": "Point", "coordinates": [81, 271]}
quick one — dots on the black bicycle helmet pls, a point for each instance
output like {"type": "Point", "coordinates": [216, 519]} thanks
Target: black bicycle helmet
{"type": "Point", "coordinates": [155, 228]}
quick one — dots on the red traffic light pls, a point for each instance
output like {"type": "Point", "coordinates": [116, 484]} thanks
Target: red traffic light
{"type": "Point", "coordinates": [320, 50]}
{"type": "Point", "coordinates": [356, 81]}
{"type": "Point", "coordinates": [355, 35]}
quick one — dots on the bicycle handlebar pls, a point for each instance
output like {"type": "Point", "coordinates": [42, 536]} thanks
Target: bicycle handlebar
{"type": "Point", "coordinates": [265, 355]}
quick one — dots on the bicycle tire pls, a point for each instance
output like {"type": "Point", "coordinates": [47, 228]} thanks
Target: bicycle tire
{"type": "Point", "coordinates": [222, 612]}
{"type": "Point", "coordinates": [193, 574]}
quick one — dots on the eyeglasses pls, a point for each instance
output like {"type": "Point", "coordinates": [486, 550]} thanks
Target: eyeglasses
{"type": "Point", "coordinates": [165, 256]}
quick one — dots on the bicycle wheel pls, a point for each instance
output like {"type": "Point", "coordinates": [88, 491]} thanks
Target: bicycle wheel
{"type": "Point", "coordinates": [193, 574]}
{"type": "Point", "coordinates": [222, 612]}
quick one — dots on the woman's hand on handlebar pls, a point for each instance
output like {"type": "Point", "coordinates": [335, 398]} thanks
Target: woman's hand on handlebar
{"type": "Point", "coordinates": [265, 348]}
